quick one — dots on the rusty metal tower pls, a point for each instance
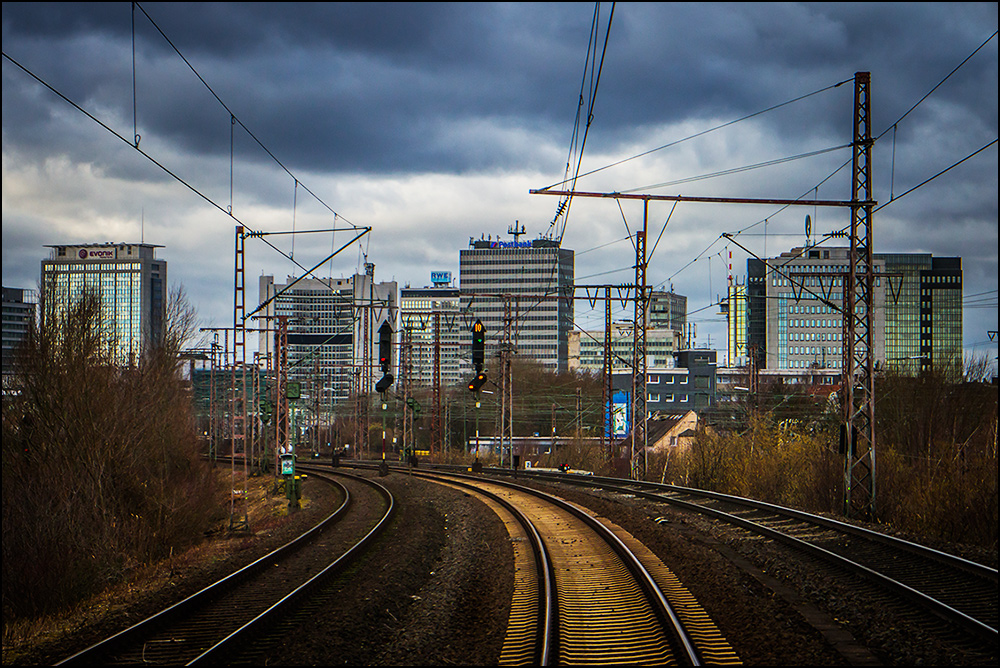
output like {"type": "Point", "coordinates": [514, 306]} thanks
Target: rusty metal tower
{"type": "Point", "coordinates": [859, 307]}
{"type": "Point", "coordinates": [239, 504]}
{"type": "Point", "coordinates": [637, 455]}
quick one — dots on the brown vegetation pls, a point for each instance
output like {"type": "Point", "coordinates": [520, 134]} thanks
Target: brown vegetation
{"type": "Point", "coordinates": [936, 460]}
{"type": "Point", "coordinates": [100, 463]}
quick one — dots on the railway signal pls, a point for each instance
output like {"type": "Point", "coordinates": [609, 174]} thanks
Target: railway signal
{"type": "Point", "coordinates": [384, 357]}
{"type": "Point", "coordinates": [478, 357]}
{"type": "Point", "coordinates": [385, 346]}
{"type": "Point", "coordinates": [478, 345]}
{"type": "Point", "coordinates": [476, 384]}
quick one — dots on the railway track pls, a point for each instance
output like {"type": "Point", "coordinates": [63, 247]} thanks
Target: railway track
{"type": "Point", "coordinates": [948, 596]}
{"type": "Point", "coordinates": [587, 591]}
{"type": "Point", "coordinates": [210, 625]}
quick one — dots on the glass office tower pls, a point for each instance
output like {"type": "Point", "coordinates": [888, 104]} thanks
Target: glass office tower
{"type": "Point", "coordinates": [128, 278]}
{"type": "Point", "coordinates": [18, 315]}
{"type": "Point", "coordinates": [796, 299]}
{"type": "Point", "coordinates": [923, 325]}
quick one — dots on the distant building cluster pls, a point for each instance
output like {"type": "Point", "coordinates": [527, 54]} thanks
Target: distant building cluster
{"type": "Point", "coordinates": [785, 317]}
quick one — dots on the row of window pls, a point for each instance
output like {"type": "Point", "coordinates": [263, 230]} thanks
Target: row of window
{"type": "Point", "coordinates": [796, 322]}
{"type": "Point", "coordinates": [91, 267]}
{"type": "Point", "coordinates": [812, 350]}
{"type": "Point", "coordinates": [669, 398]}
{"type": "Point", "coordinates": [815, 336]}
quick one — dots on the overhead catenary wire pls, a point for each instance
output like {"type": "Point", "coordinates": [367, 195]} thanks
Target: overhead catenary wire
{"type": "Point", "coordinates": [234, 118]}
{"type": "Point", "coordinates": [565, 205]}
{"type": "Point", "coordinates": [703, 132]}
{"type": "Point", "coordinates": [893, 126]}
{"type": "Point", "coordinates": [815, 188]}
{"type": "Point", "coordinates": [153, 160]}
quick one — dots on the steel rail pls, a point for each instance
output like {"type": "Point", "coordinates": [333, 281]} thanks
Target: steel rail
{"type": "Point", "coordinates": [95, 653]}
{"type": "Point", "coordinates": [228, 644]}
{"type": "Point", "coordinates": [547, 625]}
{"type": "Point", "coordinates": [948, 612]}
{"type": "Point", "coordinates": [684, 645]}
{"type": "Point", "coordinates": [954, 561]}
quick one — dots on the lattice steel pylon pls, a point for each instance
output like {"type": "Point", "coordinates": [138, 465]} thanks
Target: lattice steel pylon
{"type": "Point", "coordinates": [213, 404]}
{"type": "Point", "coordinates": [405, 385]}
{"type": "Point", "coordinates": [607, 387]}
{"type": "Point", "coordinates": [858, 404]}
{"type": "Point", "coordinates": [637, 455]}
{"type": "Point", "coordinates": [238, 498]}
{"type": "Point", "coordinates": [508, 345]}
{"type": "Point", "coordinates": [437, 426]}
{"type": "Point", "coordinates": [280, 390]}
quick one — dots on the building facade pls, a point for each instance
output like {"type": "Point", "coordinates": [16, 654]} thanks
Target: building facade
{"type": "Point", "coordinates": [587, 348]}
{"type": "Point", "coordinates": [327, 321]}
{"type": "Point", "coordinates": [689, 385]}
{"type": "Point", "coordinates": [795, 301]}
{"type": "Point", "coordinates": [667, 310]}
{"type": "Point", "coordinates": [526, 277]}
{"type": "Point", "coordinates": [18, 314]}
{"type": "Point", "coordinates": [431, 327]}
{"type": "Point", "coordinates": [923, 323]}
{"type": "Point", "coordinates": [735, 307]}
{"type": "Point", "coordinates": [130, 281]}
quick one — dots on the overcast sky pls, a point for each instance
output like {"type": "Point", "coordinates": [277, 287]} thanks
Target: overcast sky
{"type": "Point", "coordinates": [430, 124]}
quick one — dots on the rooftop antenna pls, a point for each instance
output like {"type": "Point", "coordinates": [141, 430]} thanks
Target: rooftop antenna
{"type": "Point", "coordinates": [514, 231]}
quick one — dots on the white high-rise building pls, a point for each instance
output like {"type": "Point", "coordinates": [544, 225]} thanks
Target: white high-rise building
{"type": "Point", "coordinates": [430, 321]}
{"type": "Point", "coordinates": [326, 327]}
{"type": "Point", "coordinates": [529, 275]}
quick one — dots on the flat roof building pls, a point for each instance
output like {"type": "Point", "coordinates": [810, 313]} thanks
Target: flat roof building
{"type": "Point", "coordinates": [18, 313]}
{"type": "Point", "coordinates": [326, 331]}
{"type": "Point", "coordinates": [130, 281]}
{"type": "Point", "coordinates": [431, 326]}
{"type": "Point", "coordinates": [795, 301]}
{"type": "Point", "coordinates": [528, 276]}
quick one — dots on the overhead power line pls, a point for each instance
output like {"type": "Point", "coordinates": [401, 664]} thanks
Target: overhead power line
{"type": "Point", "coordinates": [702, 133]}
{"type": "Point", "coordinates": [153, 160]}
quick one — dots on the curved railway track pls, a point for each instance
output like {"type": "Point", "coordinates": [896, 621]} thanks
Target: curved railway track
{"type": "Point", "coordinates": [207, 626]}
{"type": "Point", "coordinates": [954, 594]}
{"type": "Point", "coordinates": [587, 592]}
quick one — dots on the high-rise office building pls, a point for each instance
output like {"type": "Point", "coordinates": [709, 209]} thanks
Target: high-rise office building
{"type": "Point", "coordinates": [923, 322]}
{"type": "Point", "coordinates": [326, 320]}
{"type": "Point", "coordinates": [18, 314]}
{"type": "Point", "coordinates": [529, 276]}
{"type": "Point", "coordinates": [128, 278]}
{"type": "Point", "coordinates": [431, 324]}
{"type": "Point", "coordinates": [587, 348]}
{"type": "Point", "coordinates": [735, 308]}
{"type": "Point", "coordinates": [795, 319]}
{"type": "Point", "coordinates": [667, 310]}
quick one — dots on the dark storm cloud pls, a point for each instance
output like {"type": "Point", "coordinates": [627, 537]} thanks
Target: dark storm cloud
{"type": "Point", "coordinates": [342, 87]}
{"type": "Point", "coordinates": [362, 95]}
{"type": "Point", "coordinates": [379, 87]}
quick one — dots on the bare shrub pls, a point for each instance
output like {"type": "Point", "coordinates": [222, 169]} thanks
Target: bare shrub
{"type": "Point", "coordinates": [936, 459]}
{"type": "Point", "coordinates": [100, 465]}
